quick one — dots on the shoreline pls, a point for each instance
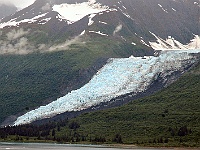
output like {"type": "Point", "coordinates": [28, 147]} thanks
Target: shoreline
{"type": "Point", "coordinates": [117, 146]}
{"type": "Point", "coordinates": [132, 146]}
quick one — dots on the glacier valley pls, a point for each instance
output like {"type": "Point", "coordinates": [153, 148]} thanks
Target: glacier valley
{"type": "Point", "coordinates": [118, 77]}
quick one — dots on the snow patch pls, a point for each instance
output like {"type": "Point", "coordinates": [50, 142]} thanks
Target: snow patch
{"type": "Point", "coordinates": [123, 38]}
{"type": "Point", "coordinates": [44, 21]}
{"type": "Point", "coordinates": [165, 10]}
{"type": "Point", "coordinates": [90, 19]}
{"type": "Point", "coordinates": [144, 43]}
{"type": "Point", "coordinates": [103, 22]}
{"type": "Point", "coordinates": [171, 44]}
{"type": "Point", "coordinates": [99, 32]}
{"type": "Point", "coordinates": [13, 22]}
{"type": "Point", "coordinates": [173, 9]}
{"type": "Point", "coordinates": [82, 33]}
{"type": "Point", "coordinates": [123, 6]}
{"type": "Point", "coordinates": [75, 12]}
{"type": "Point", "coordinates": [133, 43]}
{"type": "Point", "coordinates": [125, 14]}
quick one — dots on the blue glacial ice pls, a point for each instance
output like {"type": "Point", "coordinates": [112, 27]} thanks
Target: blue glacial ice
{"type": "Point", "coordinates": [118, 77]}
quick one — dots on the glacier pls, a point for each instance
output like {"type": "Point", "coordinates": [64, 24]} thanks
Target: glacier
{"type": "Point", "coordinates": [117, 77]}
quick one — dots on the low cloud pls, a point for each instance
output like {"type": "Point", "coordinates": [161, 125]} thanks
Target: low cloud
{"type": "Point", "coordinates": [22, 46]}
{"type": "Point", "coordinates": [65, 45]}
{"type": "Point", "coordinates": [18, 3]}
{"type": "Point", "coordinates": [42, 46]}
{"type": "Point", "coordinates": [46, 7]}
{"type": "Point", "coordinates": [15, 43]}
{"type": "Point", "coordinates": [14, 34]}
{"type": "Point", "coordinates": [5, 2]}
{"type": "Point", "coordinates": [117, 29]}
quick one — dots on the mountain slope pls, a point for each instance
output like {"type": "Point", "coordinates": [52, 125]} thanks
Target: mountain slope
{"type": "Point", "coordinates": [149, 119]}
{"type": "Point", "coordinates": [167, 118]}
{"type": "Point", "coordinates": [49, 20]}
{"type": "Point", "coordinates": [46, 53]}
{"type": "Point", "coordinates": [6, 10]}
{"type": "Point", "coordinates": [118, 77]}
{"type": "Point", "coordinates": [37, 79]}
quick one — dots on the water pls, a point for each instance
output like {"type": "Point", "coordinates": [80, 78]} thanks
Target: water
{"type": "Point", "coordinates": [39, 146]}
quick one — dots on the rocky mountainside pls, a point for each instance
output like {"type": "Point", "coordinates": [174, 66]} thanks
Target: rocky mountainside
{"type": "Point", "coordinates": [171, 24]}
{"type": "Point", "coordinates": [57, 46]}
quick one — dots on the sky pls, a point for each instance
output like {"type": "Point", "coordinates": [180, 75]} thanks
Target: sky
{"type": "Point", "coordinates": [19, 3]}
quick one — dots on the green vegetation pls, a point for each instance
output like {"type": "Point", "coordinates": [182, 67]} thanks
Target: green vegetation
{"type": "Point", "coordinates": [170, 117]}
{"type": "Point", "coordinates": [29, 81]}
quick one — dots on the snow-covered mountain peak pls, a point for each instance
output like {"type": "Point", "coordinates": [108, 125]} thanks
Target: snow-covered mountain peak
{"type": "Point", "coordinates": [68, 12]}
